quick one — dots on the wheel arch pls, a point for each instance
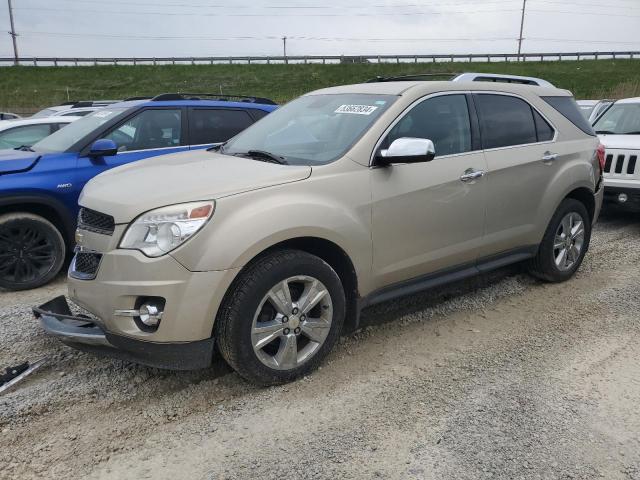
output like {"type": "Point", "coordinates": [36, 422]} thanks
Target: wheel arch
{"type": "Point", "coordinates": [584, 196]}
{"type": "Point", "coordinates": [331, 253]}
{"type": "Point", "coordinates": [47, 208]}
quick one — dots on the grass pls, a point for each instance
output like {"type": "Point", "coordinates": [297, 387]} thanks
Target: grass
{"type": "Point", "coordinates": [25, 89]}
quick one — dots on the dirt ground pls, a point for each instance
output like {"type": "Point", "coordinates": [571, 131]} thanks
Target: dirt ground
{"type": "Point", "coordinates": [498, 377]}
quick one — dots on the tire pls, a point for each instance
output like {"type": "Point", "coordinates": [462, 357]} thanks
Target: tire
{"type": "Point", "coordinates": [548, 265]}
{"type": "Point", "coordinates": [249, 317]}
{"type": "Point", "coordinates": [32, 251]}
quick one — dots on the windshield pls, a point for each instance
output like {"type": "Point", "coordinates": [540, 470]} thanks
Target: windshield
{"type": "Point", "coordinates": [314, 129]}
{"type": "Point", "coordinates": [67, 137]}
{"type": "Point", "coordinates": [620, 119]}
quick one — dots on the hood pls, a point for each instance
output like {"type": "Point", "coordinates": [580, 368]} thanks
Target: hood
{"type": "Point", "coordinates": [623, 142]}
{"type": "Point", "coordinates": [128, 191]}
{"type": "Point", "coordinates": [12, 161]}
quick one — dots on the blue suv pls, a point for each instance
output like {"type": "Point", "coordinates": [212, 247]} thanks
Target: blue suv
{"type": "Point", "coordinates": [41, 184]}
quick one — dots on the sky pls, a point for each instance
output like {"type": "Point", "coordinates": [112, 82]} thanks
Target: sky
{"type": "Point", "coordinates": [148, 28]}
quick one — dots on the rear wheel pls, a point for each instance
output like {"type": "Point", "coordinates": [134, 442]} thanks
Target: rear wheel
{"type": "Point", "coordinates": [32, 251]}
{"type": "Point", "coordinates": [564, 244]}
{"type": "Point", "coordinates": [282, 318]}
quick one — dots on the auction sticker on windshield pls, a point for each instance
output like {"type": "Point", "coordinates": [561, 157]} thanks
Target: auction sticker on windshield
{"type": "Point", "coordinates": [356, 109]}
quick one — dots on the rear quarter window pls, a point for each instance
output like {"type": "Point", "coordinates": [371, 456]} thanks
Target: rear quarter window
{"type": "Point", "coordinates": [568, 107]}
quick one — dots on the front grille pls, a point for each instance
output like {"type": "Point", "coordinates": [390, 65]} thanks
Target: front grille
{"type": "Point", "coordinates": [85, 265]}
{"type": "Point", "coordinates": [620, 164]}
{"type": "Point", "coordinates": [96, 222]}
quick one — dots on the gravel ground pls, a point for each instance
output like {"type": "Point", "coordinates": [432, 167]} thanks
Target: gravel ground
{"type": "Point", "coordinates": [498, 377]}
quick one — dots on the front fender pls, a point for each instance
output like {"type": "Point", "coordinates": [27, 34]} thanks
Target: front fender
{"type": "Point", "coordinates": [245, 225]}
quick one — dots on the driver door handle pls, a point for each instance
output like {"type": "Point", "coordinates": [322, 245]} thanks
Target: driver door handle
{"type": "Point", "coordinates": [470, 175]}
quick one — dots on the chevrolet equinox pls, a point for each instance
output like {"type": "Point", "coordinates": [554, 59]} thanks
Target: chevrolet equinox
{"type": "Point", "coordinates": [267, 248]}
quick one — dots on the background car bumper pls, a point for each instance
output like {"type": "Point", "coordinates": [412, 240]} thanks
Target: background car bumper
{"type": "Point", "coordinates": [82, 333]}
{"type": "Point", "coordinates": [627, 198]}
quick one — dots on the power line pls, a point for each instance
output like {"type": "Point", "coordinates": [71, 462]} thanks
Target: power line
{"type": "Point", "coordinates": [291, 7]}
{"type": "Point", "coordinates": [265, 37]}
{"type": "Point", "coordinates": [202, 14]}
{"type": "Point", "coordinates": [319, 39]}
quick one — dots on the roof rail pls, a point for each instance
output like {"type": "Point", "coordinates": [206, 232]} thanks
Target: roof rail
{"type": "Point", "coordinates": [414, 77]}
{"type": "Point", "coordinates": [215, 96]}
{"type": "Point", "coordinates": [88, 103]}
{"type": "Point", "coordinates": [130, 99]}
{"type": "Point", "coordinates": [501, 78]}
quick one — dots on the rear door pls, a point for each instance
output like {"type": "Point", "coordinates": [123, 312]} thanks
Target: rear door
{"type": "Point", "coordinates": [211, 126]}
{"type": "Point", "coordinates": [428, 217]}
{"type": "Point", "coordinates": [519, 146]}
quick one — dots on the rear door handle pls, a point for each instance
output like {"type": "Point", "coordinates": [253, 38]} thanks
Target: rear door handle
{"type": "Point", "coordinates": [470, 175]}
{"type": "Point", "coordinates": [549, 157]}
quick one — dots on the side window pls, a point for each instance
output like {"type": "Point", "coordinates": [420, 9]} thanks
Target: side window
{"type": "Point", "coordinates": [543, 129]}
{"type": "Point", "coordinates": [216, 125]}
{"type": "Point", "coordinates": [27, 135]}
{"type": "Point", "coordinates": [444, 120]}
{"type": "Point", "coordinates": [505, 121]}
{"type": "Point", "coordinates": [149, 129]}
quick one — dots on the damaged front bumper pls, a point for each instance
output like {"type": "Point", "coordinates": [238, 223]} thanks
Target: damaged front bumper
{"type": "Point", "coordinates": [84, 333]}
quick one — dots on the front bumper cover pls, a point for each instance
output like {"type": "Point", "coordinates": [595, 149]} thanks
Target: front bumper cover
{"type": "Point", "coordinates": [83, 333]}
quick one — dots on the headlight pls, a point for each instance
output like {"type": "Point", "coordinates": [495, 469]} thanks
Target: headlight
{"type": "Point", "coordinates": [159, 231]}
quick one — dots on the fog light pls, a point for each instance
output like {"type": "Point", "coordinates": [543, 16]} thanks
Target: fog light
{"type": "Point", "coordinates": [622, 197]}
{"type": "Point", "coordinates": [150, 314]}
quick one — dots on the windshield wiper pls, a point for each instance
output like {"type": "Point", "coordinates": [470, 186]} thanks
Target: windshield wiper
{"type": "Point", "coordinates": [265, 156]}
{"type": "Point", "coordinates": [605, 132]}
{"type": "Point", "coordinates": [25, 148]}
{"type": "Point", "coordinates": [631, 133]}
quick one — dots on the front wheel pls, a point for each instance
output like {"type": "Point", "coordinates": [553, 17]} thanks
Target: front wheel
{"type": "Point", "coordinates": [282, 318]}
{"type": "Point", "coordinates": [32, 251]}
{"type": "Point", "coordinates": [564, 244]}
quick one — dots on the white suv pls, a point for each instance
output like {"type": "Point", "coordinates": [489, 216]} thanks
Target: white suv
{"type": "Point", "coordinates": [619, 132]}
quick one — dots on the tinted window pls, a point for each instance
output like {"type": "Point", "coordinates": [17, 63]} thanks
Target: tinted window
{"type": "Point", "coordinates": [213, 126]}
{"type": "Point", "coordinates": [444, 120]}
{"type": "Point", "coordinates": [27, 135]}
{"type": "Point", "coordinates": [568, 107]}
{"type": "Point", "coordinates": [149, 129]}
{"type": "Point", "coordinates": [505, 121]}
{"type": "Point", "coordinates": [544, 130]}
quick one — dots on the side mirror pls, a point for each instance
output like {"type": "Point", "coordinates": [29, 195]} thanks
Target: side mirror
{"type": "Point", "coordinates": [103, 148]}
{"type": "Point", "coordinates": [407, 150]}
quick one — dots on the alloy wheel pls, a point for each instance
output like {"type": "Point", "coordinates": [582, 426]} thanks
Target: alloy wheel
{"type": "Point", "coordinates": [26, 252]}
{"type": "Point", "coordinates": [292, 322]}
{"type": "Point", "coordinates": [568, 241]}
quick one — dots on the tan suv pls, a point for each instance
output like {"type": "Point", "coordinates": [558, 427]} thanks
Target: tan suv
{"type": "Point", "coordinates": [268, 248]}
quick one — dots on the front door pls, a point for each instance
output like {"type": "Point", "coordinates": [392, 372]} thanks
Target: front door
{"type": "Point", "coordinates": [428, 217]}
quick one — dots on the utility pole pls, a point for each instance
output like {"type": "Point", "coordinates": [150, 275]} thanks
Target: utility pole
{"type": "Point", "coordinates": [284, 46]}
{"type": "Point", "coordinates": [524, 6]}
{"type": "Point", "coordinates": [13, 35]}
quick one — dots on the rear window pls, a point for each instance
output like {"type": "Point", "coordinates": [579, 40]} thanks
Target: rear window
{"type": "Point", "coordinates": [568, 107]}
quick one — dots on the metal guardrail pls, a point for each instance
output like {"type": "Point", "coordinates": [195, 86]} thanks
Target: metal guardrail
{"type": "Point", "coordinates": [324, 59]}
